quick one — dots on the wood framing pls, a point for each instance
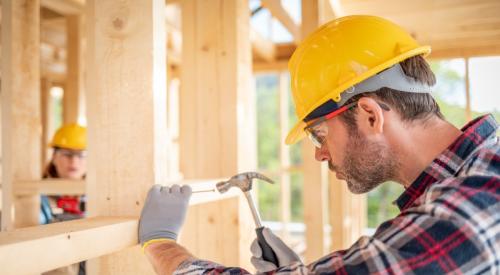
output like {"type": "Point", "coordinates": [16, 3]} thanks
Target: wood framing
{"type": "Point", "coordinates": [74, 241]}
{"type": "Point", "coordinates": [314, 181]}
{"type": "Point", "coordinates": [21, 135]}
{"type": "Point", "coordinates": [66, 7]}
{"type": "Point", "coordinates": [285, 180]}
{"type": "Point", "coordinates": [347, 214]}
{"type": "Point", "coordinates": [217, 134]}
{"type": "Point", "coordinates": [261, 47]}
{"type": "Point", "coordinates": [73, 90]}
{"type": "Point", "coordinates": [46, 118]}
{"type": "Point", "coordinates": [126, 115]}
{"type": "Point", "coordinates": [217, 125]}
{"type": "Point", "coordinates": [98, 236]}
{"type": "Point", "coordinates": [277, 10]}
{"type": "Point", "coordinates": [49, 187]}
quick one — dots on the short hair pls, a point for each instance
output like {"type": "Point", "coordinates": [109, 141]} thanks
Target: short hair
{"type": "Point", "coordinates": [410, 106]}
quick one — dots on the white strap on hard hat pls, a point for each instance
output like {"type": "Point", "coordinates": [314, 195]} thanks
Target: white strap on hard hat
{"type": "Point", "coordinates": [392, 78]}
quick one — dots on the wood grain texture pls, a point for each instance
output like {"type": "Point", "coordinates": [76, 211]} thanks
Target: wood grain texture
{"type": "Point", "coordinates": [21, 122]}
{"type": "Point", "coordinates": [217, 124]}
{"type": "Point", "coordinates": [126, 115]}
{"type": "Point", "coordinates": [75, 241]}
{"type": "Point", "coordinates": [314, 181]}
{"type": "Point", "coordinates": [73, 90]}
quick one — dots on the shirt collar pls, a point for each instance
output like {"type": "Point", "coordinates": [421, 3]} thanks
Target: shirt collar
{"type": "Point", "coordinates": [450, 160]}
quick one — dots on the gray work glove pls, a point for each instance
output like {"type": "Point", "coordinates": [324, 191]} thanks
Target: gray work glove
{"type": "Point", "coordinates": [284, 254]}
{"type": "Point", "coordinates": [164, 212]}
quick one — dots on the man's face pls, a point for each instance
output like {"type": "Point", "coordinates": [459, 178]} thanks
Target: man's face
{"type": "Point", "coordinates": [362, 162]}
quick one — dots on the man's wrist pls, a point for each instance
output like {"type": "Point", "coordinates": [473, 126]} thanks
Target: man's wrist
{"type": "Point", "coordinates": [159, 240]}
{"type": "Point", "coordinates": [166, 255]}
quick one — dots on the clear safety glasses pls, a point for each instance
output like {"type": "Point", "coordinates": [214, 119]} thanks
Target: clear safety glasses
{"type": "Point", "coordinates": [316, 130]}
{"type": "Point", "coordinates": [79, 154]}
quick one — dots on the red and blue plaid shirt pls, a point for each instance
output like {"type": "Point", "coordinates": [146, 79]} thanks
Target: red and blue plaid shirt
{"type": "Point", "coordinates": [449, 220]}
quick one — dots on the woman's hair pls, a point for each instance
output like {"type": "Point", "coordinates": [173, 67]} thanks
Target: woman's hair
{"type": "Point", "coordinates": [50, 171]}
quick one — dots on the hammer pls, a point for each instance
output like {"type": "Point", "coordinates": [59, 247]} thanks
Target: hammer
{"type": "Point", "coordinates": [244, 182]}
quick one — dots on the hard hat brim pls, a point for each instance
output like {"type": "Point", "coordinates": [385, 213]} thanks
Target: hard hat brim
{"type": "Point", "coordinates": [296, 134]}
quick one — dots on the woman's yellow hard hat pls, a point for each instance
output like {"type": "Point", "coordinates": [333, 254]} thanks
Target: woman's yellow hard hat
{"type": "Point", "coordinates": [341, 54]}
{"type": "Point", "coordinates": [70, 136]}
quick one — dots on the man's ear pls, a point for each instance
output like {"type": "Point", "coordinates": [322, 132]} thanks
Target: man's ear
{"type": "Point", "coordinates": [370, 116]}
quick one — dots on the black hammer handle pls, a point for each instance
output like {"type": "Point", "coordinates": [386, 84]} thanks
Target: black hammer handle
{"type": "Point", "coordinates": [267, 252]}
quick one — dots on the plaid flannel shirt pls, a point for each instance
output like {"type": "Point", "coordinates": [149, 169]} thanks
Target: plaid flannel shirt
{"type": "Point", "coordinates": [449, 220]}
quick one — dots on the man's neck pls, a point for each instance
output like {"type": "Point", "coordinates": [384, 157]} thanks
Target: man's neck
{"type": "Point", "coordinates": [419, 144]}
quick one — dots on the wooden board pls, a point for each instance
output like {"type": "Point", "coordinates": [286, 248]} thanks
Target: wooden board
{"type": "Point", "coordinates": [347, 214]}
{"type": "Point", "coordinates": [73, 90]}
{"type": "Point", "coordinates": [217, 124]}
{"type": "Point", "coordinates": [126, 115]}
{"type": "Point", "coordinates": [46, 118]}
{"type": "Point", "coordinates": [21, 121]}
{"type": "Point", "coordinates": [314, 181]}
{"type": "Point", "coordinates": [217, 128]}
{"type": "Point", "coordinates": [74, 241]}
{"type": "Point", "coordinates": [49, 187]}
{"type": "Point", "coordinates": [277, 10]}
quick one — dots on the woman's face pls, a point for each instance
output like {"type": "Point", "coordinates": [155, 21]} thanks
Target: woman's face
{"type": "Point", "coordinates": [70, 164]}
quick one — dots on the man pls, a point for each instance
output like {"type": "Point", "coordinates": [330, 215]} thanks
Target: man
{"type": "Point", "coordinates": [362, 94]}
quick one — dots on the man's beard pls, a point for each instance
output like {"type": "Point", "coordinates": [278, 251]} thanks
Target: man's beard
{"type": "Point", "coordinates": [366, 164]}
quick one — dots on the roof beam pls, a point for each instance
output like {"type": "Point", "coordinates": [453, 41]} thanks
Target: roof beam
{"type": "Point", "coordinates": [277, 10]}
{"type": "Point", "coordinates": [64, 7]}
{"type": "Point", "coordinates": [262, 47]}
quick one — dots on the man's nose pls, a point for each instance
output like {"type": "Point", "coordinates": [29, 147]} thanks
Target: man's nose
{"type": "Point", "coordinates": [322, 154]}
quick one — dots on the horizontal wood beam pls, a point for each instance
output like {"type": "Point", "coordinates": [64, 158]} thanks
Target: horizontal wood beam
{"type": "Point", "coordinates": [77, 187]}
{"type": "Point", "coordinates": [263, 48]}
{"type": "Point", "coordinates": [461, 52]}
{"type": "Point", "coordinates": [50, 187]}
{"type": "Point", "coordinates": [277, 10]}
{"type": "Point", "coordinates": [64, 7]}
{"type": "Point", "coordinates": [274, 66]}
{"type": "Point", "coordinates": [84, 239]}
{"type": "Point", "coordinates": [75, 241]}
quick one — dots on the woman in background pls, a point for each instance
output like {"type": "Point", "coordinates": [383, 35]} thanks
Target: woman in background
{"type": "Point", "coordinates": [68, 162]}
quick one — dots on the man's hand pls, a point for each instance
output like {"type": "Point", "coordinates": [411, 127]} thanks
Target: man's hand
{"type": "Point", "coordinates": [164, 213]}
{"type": "Point", "coordinates": [284, 254]}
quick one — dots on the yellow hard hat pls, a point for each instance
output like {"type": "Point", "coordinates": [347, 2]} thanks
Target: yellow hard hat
{"type": "Point", "coordinates": [341, 54]}
{"type": "Point", "coordinates": [70, 136]}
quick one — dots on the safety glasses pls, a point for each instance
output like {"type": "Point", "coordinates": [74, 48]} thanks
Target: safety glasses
{"type": "Point", "coordinates": [72, 153]}
{"type": "Point", "coordinates": [316, 129]}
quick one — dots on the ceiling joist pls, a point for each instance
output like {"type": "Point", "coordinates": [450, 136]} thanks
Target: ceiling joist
{"type": "Point", "coordinates": [277, 10]}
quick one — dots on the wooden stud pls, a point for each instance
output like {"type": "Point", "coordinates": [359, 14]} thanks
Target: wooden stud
{"type": "Point", "coordinates": [285, 189]}
{"type": "Point", "coordinates": [73, 90]}
{"type": "Point", "coordinates": [126, 115]}
{"type": "Point", "coordinates": [20, 108]}
{"type": "Point", "coordinates": [277, 10]}
{"type": "Point", "coordinates": [217, 126]}
{"type": "Point", "coordinates": [315, 183]}
{"type": "Point", "coordinates": [47, 121]}
{"type": "Point", "coordinates": [217, 134]}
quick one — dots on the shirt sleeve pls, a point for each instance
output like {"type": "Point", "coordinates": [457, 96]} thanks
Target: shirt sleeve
{"type": "Point", "coordinates": [435, 237]}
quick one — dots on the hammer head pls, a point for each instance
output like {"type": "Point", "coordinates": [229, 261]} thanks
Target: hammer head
{"type": "Point", "coordinates": [242, 181]}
